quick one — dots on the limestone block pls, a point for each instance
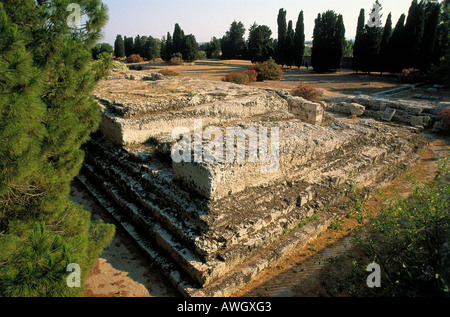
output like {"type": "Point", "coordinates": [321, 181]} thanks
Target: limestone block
{"type": "Point", "coordinates": [417, 121]}
{"type": "Point", "coordinates": [307, 111]}
{"type": "Point", "coordinates": [388, 114]}
{"type": "Point", "coordinates": [357, 110]}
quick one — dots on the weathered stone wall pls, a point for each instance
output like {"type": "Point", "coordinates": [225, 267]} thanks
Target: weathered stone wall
{"type": "Point", "coordinates": [126, 121]}
{"type": "Point", "coordinates": [416, 114]}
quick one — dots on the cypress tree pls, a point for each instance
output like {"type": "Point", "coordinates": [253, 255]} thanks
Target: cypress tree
{"type": "Point", "coordinates": [119, 47]}
{"type": "Point", "coordinates": [414, 28]}
{"type": "Point", "coordinates": [190, 48]}
{"type": "Point", "coordinates": [328, 43]}
{"type": "Point", "coordinates": [282, 35]}
{"type": "Point", "coordinates": [318, 48]}
{"type": "Point", "coordinates": [138, 45]}
{"type": "Point", "coordinates": [46, 113]}
{"type": "Point", "coordinates": [167, 48]}
{"type": "Point", "coordinates": [384, 48]}
{"type": "Point", "coordinates": [396, 47]}
{"type": "Point", "coordinates": [373, 34]}
{"type": "Point", "coordinates": [178, 39]}
{"type": "Point", "coordinates": [339, 42]}
{"type": "Point", "coordinates": [290, 45]}
{"type": "Point", "coordinates": [358, 50]}
{"type": "Point", "coordinates": [129, 46]}
{"type": "Point", "coordinates": [428, 54]}
{"type": "Point", "coordinates": [299, 41]}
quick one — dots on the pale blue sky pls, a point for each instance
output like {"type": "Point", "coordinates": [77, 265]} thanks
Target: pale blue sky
{"type": "Point", "coordinates": [208, 18]}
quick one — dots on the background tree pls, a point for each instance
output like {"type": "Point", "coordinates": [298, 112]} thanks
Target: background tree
{"type": "Point", "coordinates": [373, 35]}
{"type": "Point", "coordinates": [178, 39]}
{"type": "Point", "coordinates": [414, 30]}
{"type": "Point", "coordinates": [212, 48]}
{"type": "Point", "coordinates": [396, 47]}
{"type": "Point", "coordinates": [358, 50]}
{"type": "Point", "coordinates": [348, 48]}
{"type": "Point", "coordinates": [138, 45]}
{"type": "Point", "coordinates": [440, 73]}
{"type": "Point", "coordinates": [299, 41]}
{"type": "Point", "coordinates": [339, 42]}
{"type": "Point", "coordinates": [129, 46]}
{"type": "Point", "coordinates": [282, 34]}
{"type": "Point", "coordinates": [290, 45]}
{"type": "Point", "coordinates": [428, 47]}
{"type": "Point", "coordinates": [101, 48]}
{"type": "Point", "coordinates": [151, 48]}
{"type": "Point", "coordinates": [329, 36]}
{"type": "Point", "coordinates": [233, 42]}
{"type": "Point", "coordinates": [46, 113]}
{"type": "Point", "coordinates": [167, 48]}
{"type": "Point", "coordinates": [119, 47]}
{"type": "Point", "coordinates": [385, 54]}
{"type": "Point", "coordinates": [368, 40]}
{"type": "Point", "coordinates": [190, 48]}
{"type": "Point", "coordinates": [260, 43]}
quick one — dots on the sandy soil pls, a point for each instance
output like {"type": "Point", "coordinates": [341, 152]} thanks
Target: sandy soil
{"type": "Point", "coordinates": [123, 271]}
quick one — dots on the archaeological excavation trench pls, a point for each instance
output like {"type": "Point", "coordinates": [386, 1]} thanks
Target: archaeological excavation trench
{"type": "Point", "coordinates": [212, 226]}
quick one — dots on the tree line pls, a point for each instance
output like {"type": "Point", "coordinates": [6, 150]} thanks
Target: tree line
{"type": "Point", "coordinates": [146, 46]}
{"type": "Point", "coordinates": [418, 40]}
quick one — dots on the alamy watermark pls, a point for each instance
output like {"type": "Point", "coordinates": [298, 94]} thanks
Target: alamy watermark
{"type": "Point", "coordinates": [232, 144]}
{"type": "Point", "coordinates": [74, 18]}
{"type": "Point", "coordinates": [375, 16]}
{"type": "Point", "coordinates": [74, 278]}
{"type": "Point", "coordinates": [374, 279]}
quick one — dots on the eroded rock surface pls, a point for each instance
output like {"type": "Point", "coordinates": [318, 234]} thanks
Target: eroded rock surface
{"type": "Point", "coordinates": [214, 225]}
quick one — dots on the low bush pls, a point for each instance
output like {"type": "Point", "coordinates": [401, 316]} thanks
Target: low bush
{"type": "Point", "coordinates": [167, 72]}
{"type": "Point", "coordinates": [252, 75]}
{"type": "Point", "coordinates": [135, 58]}
{"type": "Point", "coordinates": [307, 92]}
{"type": "Point", "coordinates": [175, 60]}
{"type": "Point", "coordinates": [237, 78]}
{"type": "Point", "coordinates": [410, 239]}
{"type": "Point", "coordinates": [268, 70]}
{"type": "Point", "coordinates": [445, 119]}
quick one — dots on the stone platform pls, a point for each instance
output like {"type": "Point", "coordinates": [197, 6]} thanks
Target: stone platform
{"type": "Point", "coordinates": [213, 226]}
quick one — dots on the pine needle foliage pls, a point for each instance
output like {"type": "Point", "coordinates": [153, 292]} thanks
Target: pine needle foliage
{"type": "Point", "coordinates": [47, 112]}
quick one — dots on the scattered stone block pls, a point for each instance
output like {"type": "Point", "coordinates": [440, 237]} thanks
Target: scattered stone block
{"type": "Point", "coordinates": [388, 114]}
{"type": "Point", "coordinates": [356, 110]}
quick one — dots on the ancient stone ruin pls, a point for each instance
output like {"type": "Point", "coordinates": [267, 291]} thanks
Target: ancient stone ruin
{"type": "Point", "coordinates": [212, 226]}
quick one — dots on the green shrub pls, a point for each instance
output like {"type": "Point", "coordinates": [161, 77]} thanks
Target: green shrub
{"type": "Point", "coordinates": [410, 240]}
{"type": "Point", "coordinates": [268, 70]}
{"type": "Point", "coordinates": [307, 92]}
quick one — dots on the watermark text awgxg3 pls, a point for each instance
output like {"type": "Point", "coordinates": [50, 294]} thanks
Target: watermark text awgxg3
{"type": "Point", "coordinates": [230, 144]}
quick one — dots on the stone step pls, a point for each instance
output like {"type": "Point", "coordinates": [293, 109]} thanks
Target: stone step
{"type": "Point", "coordinates": [138, 130]}
{"type": "Point", "coordinates": [225, 285]}
{"type": "Point", "coordinates": [243, 241]}
{"type": "Point", "coordinates": [169, 268]}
